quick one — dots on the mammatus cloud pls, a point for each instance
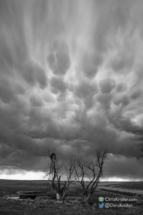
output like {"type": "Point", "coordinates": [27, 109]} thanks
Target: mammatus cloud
{"type": "Point", "coordinates": [71, 79]}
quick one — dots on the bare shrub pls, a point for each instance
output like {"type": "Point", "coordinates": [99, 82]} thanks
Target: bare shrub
{"type": "Point", "coordinates": [93, 170]}
{"type": "Point", "coordinates": [57, 170]}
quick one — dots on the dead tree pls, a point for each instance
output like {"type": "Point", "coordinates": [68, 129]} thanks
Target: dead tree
{"type": "Point", "coordinates": [56, 171]}
{"type": "Point", "coordinates": [93, 170]}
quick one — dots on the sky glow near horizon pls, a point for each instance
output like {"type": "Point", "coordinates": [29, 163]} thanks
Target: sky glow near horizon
{"type": "Point", "coordinates": [71, 78]}
{"type": "Point", "coordinates": [41, 176]}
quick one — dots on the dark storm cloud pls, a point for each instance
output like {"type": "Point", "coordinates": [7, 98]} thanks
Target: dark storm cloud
{"type": "Point", "coordinates": [33, 74]}
{"type": "Point", "coordinates": [5, 151]}
{"type": "Point", "coordinates": [107, 85]}
{"type": "Point", "coordinates": [130, 127]}
{"type": "Point", "coordinates": [121, 87]}
{"type": "Point", "coordinates": [36, 101]}
{"type": "Point", "coordinates": [90, 64]}
{"type": "Point", "coordinates": [58, 85]}
{"type": "Point", "coordinates": [123, 168]}
{"type": "Point", "coordinates": [59, 60]}
{"type": "Point", "coordinates": [70, 79]}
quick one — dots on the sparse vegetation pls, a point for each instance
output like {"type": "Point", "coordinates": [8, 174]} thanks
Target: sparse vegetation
{"type": "Point", "coordinates": [56, 170]}
{"type": "Point", "coordinates": [75, 169]}
{"type": "Point", "coordinates": [92, 170]}
{"type": "Point", "coordinates": [73, 204]}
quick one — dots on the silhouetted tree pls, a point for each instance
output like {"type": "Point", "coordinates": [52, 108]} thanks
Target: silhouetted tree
{"type": "Point", "coordinates": [57, 170]}
{"type": "Point", "coordinates": [93, 170]}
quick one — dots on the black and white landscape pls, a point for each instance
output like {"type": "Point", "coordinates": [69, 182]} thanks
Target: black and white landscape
{"type": "Point", "coordinates": [71, 83]}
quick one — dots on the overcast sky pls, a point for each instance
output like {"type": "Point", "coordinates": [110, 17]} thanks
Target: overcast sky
{"type": "Point", "coordinates": [71, 78]}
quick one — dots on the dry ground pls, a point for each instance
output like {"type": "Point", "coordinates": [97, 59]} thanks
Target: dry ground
{"type": "Point", "coordinates": [52, 207]}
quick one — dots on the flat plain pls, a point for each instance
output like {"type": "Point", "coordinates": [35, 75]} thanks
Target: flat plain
{"type": "Point", "coordinates": [73, 204]}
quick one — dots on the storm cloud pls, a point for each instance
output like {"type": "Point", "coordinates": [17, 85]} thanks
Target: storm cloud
{"type": "Point", "coordinates": [71, 79]}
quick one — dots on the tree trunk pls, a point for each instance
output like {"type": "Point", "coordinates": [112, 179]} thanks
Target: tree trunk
{"type": "Point", "coordinates": [86, 197]}
{"type": "Point", "coordinates": [60, 197]}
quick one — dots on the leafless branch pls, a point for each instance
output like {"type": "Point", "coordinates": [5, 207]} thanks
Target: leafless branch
{"type": "Point", "coordinates": [95, 170]}
{"type": "Point", "coordinates": [56, 170]}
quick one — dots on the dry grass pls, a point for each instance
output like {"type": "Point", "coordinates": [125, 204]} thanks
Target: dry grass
{"type": "Point", "coordinates": [51, 207]}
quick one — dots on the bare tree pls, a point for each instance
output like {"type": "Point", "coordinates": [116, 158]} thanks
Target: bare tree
{"type": "Point", "coordinates": [56, 170]}
{"type": "Point", "coordinates": [93, 170]}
